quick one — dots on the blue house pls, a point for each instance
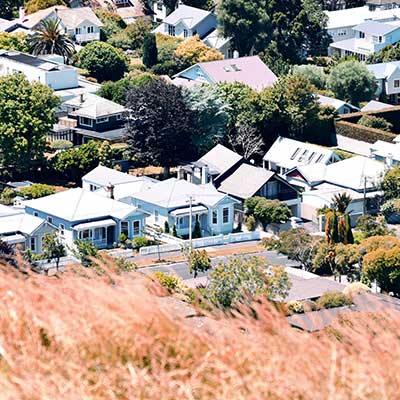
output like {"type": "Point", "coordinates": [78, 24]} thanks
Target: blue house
{"type": "Point", "coordinates": [81, 214]}
{"type": "Point", "coordinates": [170, 200]}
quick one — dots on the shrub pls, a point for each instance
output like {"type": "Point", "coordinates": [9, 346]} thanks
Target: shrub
{"type": "Point", "coordinates": [270, 243]}
{"type": "Point", "coordinates": [375, 122]}
{"type": "Point", "coordinates": [197, 229]}
{"type": "Point", "coordinates": [296, 307]}
{"type": "Point", "coordinates": [198, 261]}
{"type": "Point", "coordinates": [7, 196]}
{"type": "Point", "coordinates": [174, 233]}
{"type": "Point", "coordinates": [170, 282]}
{"type": "Point", "coordinates": [333, 299]}
{"type": "Point", "coordinates": [61, 145]}
{"type": "Point", "coordinates": [85, 251]}
{"type": "Point", "coordinates": [140, 241]}
{"type": "Point", "coordinates": [370, 226]}
{"type": "Point", "coordinates": [356, 288]}
{"type": "Point", "coordinates": [37, 190]}
{"type": "Point", "coordinates": [122, 238]}
{"type": "Point", "coordinates": [364, 133]}
{"type": "Point", "coordinates": [124, 265]}
{"type": "Point", "coordinates": [166, 227]}
{"type": "Point", "coordinates": [251, 223]}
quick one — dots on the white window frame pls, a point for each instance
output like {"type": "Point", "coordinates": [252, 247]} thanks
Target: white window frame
{"type": "Point", "coordinates": [156, 216]}
{"type": "Point", "coordinates": [62, 230]}
{"type": "Point", "coordinates": [126, 232]}
{"type": "Point", "coordinates": [223, 215]}
{"type": "Point", "coordinates": [50, 220]}
{"type": "Point", "coordinates": [214, 214]}
{"type": "Point", "coordinates": [135, 230]}
{"type": "Point", "coordinates": [101, 120]}
{"type": "Point", "coordinates": [78, 31]}
{"type": "Point", "coordinates": [118, 117]}
{"type": "Point", "coordinates": [396, 83]}
{"type": "Point", "coordinates": [35, 214]}
{"type": "Point", "coordinates": [83, 124]}
{"type": "Point", "coordinates": [32, 241]}
{"type": "Point", "coordinates": [90, 29]}
{"type": "Point", "coordinates": [171, 30]}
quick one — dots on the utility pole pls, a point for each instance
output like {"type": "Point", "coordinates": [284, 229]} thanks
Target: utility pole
{"type": "Point", "coordinates": [190, 222]}
{"type": "Point", "coordinates": [365, 196]}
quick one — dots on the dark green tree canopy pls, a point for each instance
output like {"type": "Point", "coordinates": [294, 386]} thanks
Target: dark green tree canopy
{"type": "Point", "coordinates": [160, 125]}
{"type": "Point", "coordinates": [150, 52]}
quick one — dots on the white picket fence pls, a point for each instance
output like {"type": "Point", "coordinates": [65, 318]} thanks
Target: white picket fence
{"type": "Point", "coordinates": [202, 242]}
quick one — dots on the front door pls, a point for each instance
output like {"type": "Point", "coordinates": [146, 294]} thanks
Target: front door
{"type": "Point", "coordinates": [110, 235]}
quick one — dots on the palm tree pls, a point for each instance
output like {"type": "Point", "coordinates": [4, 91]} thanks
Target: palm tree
{"type": "Point", "coordinates": [49, 39]}
{"type": "Point", "coordinates": [340, 202]}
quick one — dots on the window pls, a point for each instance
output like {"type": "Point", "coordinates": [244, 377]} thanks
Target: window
{"type": "Point", "coordinates": [99, 233]}
{"type": "Point", "coordinates": [303, 155]}
{"type": "Point", "coordinates": [156, 216]}
{"type": "Point", "coordinates": [62, 229]}
{"type": "Point", "coordinates": [93, 187]}
{"type": "Point", "coordinates": [124, 228]}
{"type": "Point", "coordinates": [85, 121]}
{"type": "Point", "coordinates": [225, 215]}
{"type": "Point", "coordinates": [396, 83]}
{"type": "Point", "coordinates": [361, 35]}
{"type": "Point", "coordinates": [136, 228]}
{"type": "Point", "coordinates": [215, 217]}
{"type": "Point", "coordinates": [102, 120]}
{"type": "Point", "coordinates": [171, 30]}
{"type": "Point", "coordinates": [77, 31]}
{"type": "Point", "coordinates": [86, 234]}
{"type": "Point", "coordinates": [185, 33]}
{"type": "Point", "coordinates": [342, 32]}
{"type": "Point", "coordinates": [50, 220]}
{"type": "Point", "coordinates": [321, 156]}
{"type": "Point", "coordinates": [311, 156]}
{"type": "Point", "coordinates": [35, 214]}
{"type": "Point", "coordinates": [295, 153]}
{"type": "Point", "coordinates": [90, 29]}
{"type": "Point", "coordinates": [119, 117]}
{"type": "Point", "coordinates": [33, 244]}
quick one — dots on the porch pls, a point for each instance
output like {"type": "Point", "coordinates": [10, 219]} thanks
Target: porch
{"type": "Point", "coordinates": [102, 233]}
{"type": "Point", "coordinates": [181, 219]}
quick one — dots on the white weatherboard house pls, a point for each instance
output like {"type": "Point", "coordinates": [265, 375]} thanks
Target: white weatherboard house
{"type": "Point", "coordinates": [286, 154]}
{"type": "Point", "coordinates": [26, 231]}
{"type": "Point", "coordinates": [386, 152]}
{"type": "Point", "coordinates": [387, 77]}
{"type": "Point", "coordinates": [169, 200]}
{"type": "Point", "coordinates": [250, 71]}
{"type": "Point", "coordinates": [188, 21]}
{"type": "Point", "coordinates": [81, 214]}
{"type": "Point", "coordinates": [370, 37]}
{"type": "Point", "coordinates": [340, 106]}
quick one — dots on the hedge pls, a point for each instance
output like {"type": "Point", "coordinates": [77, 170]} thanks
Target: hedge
{"type": "Point", "coordinates": [359, 132]}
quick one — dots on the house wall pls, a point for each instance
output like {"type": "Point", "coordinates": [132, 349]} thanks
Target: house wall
{"type": "Point", "coordinates": [195, 73]}
{"type": "Point", "coordinates": [389, 83]}
{"type": "Point", "coordinates": [38, 236]}
{"type": "Point", "coordinates": [112, 123]}
{"type": "Point", "coordinates": [206, 25]}
{"type": "Point", "coordinates": [342, 33]}
{"type": "Point", "coordinates": [88, 32]}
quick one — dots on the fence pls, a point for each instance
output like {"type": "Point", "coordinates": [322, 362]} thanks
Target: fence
{"type": "Point", "coordinates": [202, 242]}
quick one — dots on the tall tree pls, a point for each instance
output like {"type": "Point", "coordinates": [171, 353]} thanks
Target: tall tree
{"type": "Point", "coordinates": [31, 6]}
{"type": "Point", "coordinates": [26, 116]}
{"type": "Point", "coordinates": [246, 22]}
{"type": "Point", "coordinates": [149, 49]}
{"type": "Point", "coordinates": [160, 125]}
{"type": "Point", "coordinates": [50, 39]}
{"type": "Point", "coordinates": [9, 7]}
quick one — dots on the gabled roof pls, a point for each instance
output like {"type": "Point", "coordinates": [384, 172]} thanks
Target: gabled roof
{"type": "Point", "coordinates": [6, 211]}
{"type": "Point", "coordinates": [289, 153]}
{"type": "Point", "coordinates": [215, 40]}
{"type": "Point", "coordinates": [23, 223]}
{"type": "Point", "coordinates": [376, 28]}
{"type": "Point", "coordinates": [335, 103]}
{"type": "Point", "coordinates": [103, 176]}
{"type": "Point", "coordinates": [386, 149]}
{"type": "Point", "coordinates": [93, 106]}
{"type": "Point", "coordinates": [250, 71]}
{"type": "Point", "coordinates": [190, 15]}
{"type": "Point", "coordinates": [175, 193]}
{"type": "Point", "coordinates": [383, 70]}
{"type": "Point", "coordinates": [374, 105]}
{"type": "Point", "coordinates": [78, 204]}
{"type": "Point", "coordinates": [219, 159]}
{"type": "Point", "coordinates": [246, 181]}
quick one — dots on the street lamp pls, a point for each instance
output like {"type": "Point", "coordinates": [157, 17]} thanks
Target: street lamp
{"type": "Point", "coordinates": [190, 201]}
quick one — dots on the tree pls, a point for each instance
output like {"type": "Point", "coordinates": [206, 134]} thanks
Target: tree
{"type": "Point", "coordinates": [37, 190]}
{"type": "Point", "coordinates": [149, 50]}
{"type": "Point", "coordinates": [53, 248]}
{"type": "Point", "coordinates": [26, 116]}
{"type": "Point", "coordinates": [344, 228]}
{"type": "Point", "coordinates": [14, 41]}
{"type": "Point", "coordinates": [197, 229]}
{"type": "Point", "coordinates": [351, 81]}
{"type": "Point", "coordinates": [7, 196]}
{"type": "Point", "coordinates": [246, 141]}
{"type": "Point", "coordinates": [210, 113]}
{"type": "Point", "coordinates": [387, 54]}
{"type": "Point", "coordinates": [331, 228]}
{"type": "Point", "coordinates": [8, 7]}
{"type": "Point", "coordinates": [240, 279]}
{"type": "Point", "coordinates": [198, 261]}
{"type": "Point", "coordinates": [31, 6]}
{"type": "Point", "coordinates": [166, 227]}
{"type": "Point", "coordinates": [300, 246]}
{"type": "Point", "coordinates": [341, 201]}
{"type": "Point", "coordinates": [391, 184]}
{"type": "Point", "coordinates": [383, 266]}
{"type": "Point", "coordinates": [370, 226]}
{"type": "Point", "coordinates": [160, 125]}
{"type": "Point", "coordinates": [116, 91]}
{"type": "Point", "coordinates": [246, 23]}
{"type": "Point", "coordinates": [112, 23]}
{"type": "Point", "coordinates": [7, 254]}
{"type": "Point", "coordinates": [132, 37]}
{"type": "Point", "coordinates": [105, 154]}
{"type": "Point", "coordinates": [193, 50]}
{"type": "Point", "coordinates": [86, 252]}
{"type": "Point", "coordinates": [375, 122]}
{"type": "Point", "coordinates": [313, 73]}
{"type": "Point", "coordinates": [50, 39]}
{"type": "Point", "coordinates": [103, 61]}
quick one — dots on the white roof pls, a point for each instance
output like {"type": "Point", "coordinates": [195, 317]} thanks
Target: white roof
{"type": "Point", "coordinates": [174, 193]}
{"type": "Point", "coordinates": [6, 210]}
{"type": "Point", "coordinates": [374, 105]}
{"type": "Point", "coordinates": [128, 189]}
{"type": "Point", "coordinates": [190, 15]}
{"type": "Point", "coordinates": [104, 223]}
{"type": "Point", "coordinates": [383, 70]}
{"type": "Point", "coordinates": [332, 102]}
{"type": "Point", "coordinates": [23, 223]}
{"type": "Point", "coordinates": [103, 176]}
{"type": "Point", "coordinates": [79, 204]}
{"type": "Point", "coordinates": [215, 40]}
{"type": "Point", "coordinates": [92, 106]}
{"type": "Point", "coordinates": [354, 16]}
{"type": "Point", "coordinates": [386, 149]}
{"type": "Point", "coordinates": [353, 146]}
{"type": "Point", "coordinates": [220, 159]}
{"type": "Point", "coordinates": [289, 153]}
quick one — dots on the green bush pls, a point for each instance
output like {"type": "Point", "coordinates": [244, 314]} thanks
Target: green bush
{"type": "Point", "coordinates": [166, 227]}
{"type": "Point", "coordinates": [333, 299]}
{"type": "Point", "coordinates": [174, 232]}
{"type": "Point", "coordinates": [170, 282]}
{"type": "Point", "coordinates": [122, 238]}
{"type": "Point", "coordinates": [295, 307]}
{"type": "Point", "coordinates": [7, 196]}
{"type": "Point", "coordinates": [270, 243]}
{"type": "Point", "coordinates": [123, 265]}
{"type": "Point", "coordinates": [251, 223]}
{"type": "Point", "coordinates": [375, 122]}
{"type": "Point", "coordinates": [140, 241]}
{"type": "Point", "coordinates": [61, 145]}
{"type": "Point", "coordinates": [37, 190]}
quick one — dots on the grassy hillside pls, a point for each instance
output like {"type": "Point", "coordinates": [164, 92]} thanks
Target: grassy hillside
{"type": "Point", "coordinates": [84, 336]}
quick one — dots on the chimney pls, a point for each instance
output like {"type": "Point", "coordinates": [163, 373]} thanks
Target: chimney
{"type": "Point", "coordinates": [204, 174]}
{"type": "Point", "coordinates": [81, 98]}
{"type": "Point", "coordinates": [389, 160]}
{"type": "Point", "coordinates": [21, 13]}
{"type": "Point", "coordinates": [110, 189]}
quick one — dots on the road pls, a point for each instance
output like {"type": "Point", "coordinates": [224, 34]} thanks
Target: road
{"type": "Point", "coordinates": [181, 268]}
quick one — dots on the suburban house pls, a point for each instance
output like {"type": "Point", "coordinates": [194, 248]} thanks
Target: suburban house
{"type": "Point", "coordinates": [286, 154]}
{"type": "Point", "coordinates": [220, 43]}
{"type": "Point", "coordinates": [24, 230]}
{"type": "Point", "coordinates": [87, 117]}
{"type": "Point", "coordinates": [38, 69]}
{"type": "Point", "coordinates": [80, 23]}
{"type": "Point", "coordinates": [341, 22]}
{"type": "Point", "coordinates": [374, 105]}
{"type": "Point", "coordinates": [214, 166]}
{"type": "Point", "coordinates": [248, 181]}
{"type": "Point", "coordinates": [81, 214]}
{"type": "Point", "coordinates": [382, 4]}
{"type": "Point", "coordinates": [250, 71]}
{"type": "Point", "coordinates": [340, 106]}
{"type": "Point", "coordinates": [112, 183]}
{"type": "Point", "coordinates": [188, 21]}
{"type": "Point", "coordinates": [159, 10]}
{"type": "Point", "coordinates": [386, 152]}
{"type": "Point", "coordinates": [174, 200]}
{"type": "Point", "coordinates": [370, 37]}
{"type": "Point", "coordinates": [387, 77]}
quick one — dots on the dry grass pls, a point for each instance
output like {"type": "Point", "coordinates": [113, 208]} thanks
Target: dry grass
{"type": "Point", "coordinates": [82, 336]}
